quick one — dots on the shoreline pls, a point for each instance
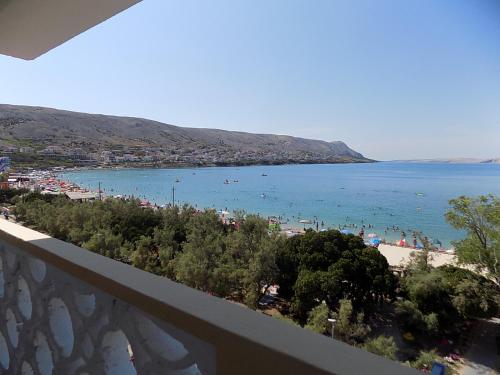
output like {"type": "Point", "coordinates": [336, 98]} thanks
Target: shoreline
{"type": "Point", "coordinates": [388, 233]}
{"type": "Point", "coordinates": [289, 219]}
{"type": "Point", "coordinates": [190, 166]}
{"type": "Point", "coordinates": [51, 183]}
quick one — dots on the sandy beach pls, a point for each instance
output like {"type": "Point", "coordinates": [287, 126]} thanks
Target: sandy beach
{"type": "Point", "coordinates": [400, 256]}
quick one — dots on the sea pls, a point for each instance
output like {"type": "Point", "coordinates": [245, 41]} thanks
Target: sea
{"type": "Point", "coordinates": [386, 197]}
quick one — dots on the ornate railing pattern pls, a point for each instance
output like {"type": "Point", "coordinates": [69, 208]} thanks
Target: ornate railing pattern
{"type": "Point", "coordinates": [52, 320]}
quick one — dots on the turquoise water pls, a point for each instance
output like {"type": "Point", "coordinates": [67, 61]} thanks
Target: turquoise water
{"type": "Point", "coordinates": [409, 196]}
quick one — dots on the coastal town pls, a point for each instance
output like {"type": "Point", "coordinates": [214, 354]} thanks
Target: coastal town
{"type": "Point", "coordinates": [144, 156]}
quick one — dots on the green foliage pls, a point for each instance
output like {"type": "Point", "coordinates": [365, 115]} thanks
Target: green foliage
{"type": "Point", "coordinates": [412, 319]}
{"type": "Point", "coordinates": [480, 218]}
{"type": "Point", "coordinates": [382, 346]}
{"type": "Point", "coordinates": [420, 259]}
{"type": "Point", "coordinates": [23, 161]}
{"type": "Point", "coordinates": [441, 298]}
{"type": "Point", "coordinates": [192, 247]}
{"type": "Point", "coordinates": [349, 326]}
{"type": "Point", "coordinates": [200, 265]}
{"type": "Point", "coordinates": [473, 296]}
{"type": "Point", "coordinates": [329, 266]}
{"type": "Point", "coordinates": [409, 315]}
{"type": "Point", "coordinates": [317, 319]}
{"type": "Point", "coordinates": [431, 322]}
{"type": "Point", "coordinates": [429, 292]}
{"type": "Point", "coordinates": [425, 360]}
{"type": "Point", "coordinates": [10, 195]}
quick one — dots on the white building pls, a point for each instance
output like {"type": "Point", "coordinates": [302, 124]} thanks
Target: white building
{"type": "Point", "coordinates": [26, 150]}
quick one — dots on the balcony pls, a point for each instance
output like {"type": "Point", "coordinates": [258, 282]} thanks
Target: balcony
{"type": "Point", "coordinates": [68, 311]}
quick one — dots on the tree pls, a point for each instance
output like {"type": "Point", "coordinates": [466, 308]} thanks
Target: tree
{"type": "Point", "coordinates": [480, 218]}
{"type": "Point", "coordinates": [349, 326]}
{"type": "Point", "coordinates": [170, 236]}
{"type": "Point", "coordinates": [105, 243]}
{"type": "Point", "coordinates": [329, 266]}
{"type": "Point", "coordinates": [250, 258]}
{"type": "Point", "coordinates": [420, 259]}
{"type": "Point", "coordinates": [472, 296]}
{"type": "Point", "coordinates": [442, 297]}
{"type": "Point", "coordinates": [429, 291]}
{"type": "Point", "coordinates": [199, 264]}
{"type": "Point", "coordinates": [317, 320]}
{"type": "Point", "coordinates": [261, 272]}
{"type": "Point", "coordinates": [382, 346]}
{"type": "Point", "coordinates": [412, 319]}
{"type": "Point", "coordinates": [145, 255]}
{"type": "Point", "coordinates": [9, 195]}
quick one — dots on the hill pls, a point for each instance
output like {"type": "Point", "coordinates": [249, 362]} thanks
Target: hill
{"type": "Point", "coordinates": [454, 161]}
{"type": "Point", "coordinates": [40, 127]}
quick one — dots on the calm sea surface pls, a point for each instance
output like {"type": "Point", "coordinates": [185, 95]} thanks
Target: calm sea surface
{"type": "Point", "coordinates": [405, 195]}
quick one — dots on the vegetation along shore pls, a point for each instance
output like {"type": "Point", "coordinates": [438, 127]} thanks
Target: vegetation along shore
{"type": "Point", "coordinates": [416, 313]}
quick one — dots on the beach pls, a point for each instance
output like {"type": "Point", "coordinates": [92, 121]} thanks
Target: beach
{"type": "Point", "coordinates": [387, 198]}
{"type": "Point", "coordinates": [398, 256]}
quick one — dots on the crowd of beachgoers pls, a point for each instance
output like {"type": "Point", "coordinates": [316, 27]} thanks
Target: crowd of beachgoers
{"type": "Point", "coordinates": [47, 182]}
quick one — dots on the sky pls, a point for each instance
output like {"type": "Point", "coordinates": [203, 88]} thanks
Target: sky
{"type": "Point", "coordinates": [393, 79]}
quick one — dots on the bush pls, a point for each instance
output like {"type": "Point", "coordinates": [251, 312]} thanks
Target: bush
{"type": "Point", "coordinates": [350, 327]}
{"type": "Point", "coordinates": [425, 360]}
{"type": "Point", "coordinates": [412, 319]}
{"type": "Point", "coordinates": [317, 320]}
{"type": "Point", "coordinates": [382, 346]}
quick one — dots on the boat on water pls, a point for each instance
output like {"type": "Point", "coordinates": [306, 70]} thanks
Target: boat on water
{"type": "Point", "coordinates": [264, 175]}
{"type": "Point", "coordinates": [177, 180]}
{"type": "Point", "coordinates": [226, 182]}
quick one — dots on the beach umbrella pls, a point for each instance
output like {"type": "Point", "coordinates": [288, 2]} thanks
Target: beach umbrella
{"type": "Point", "coordinates": [375, 241]}
{"type": "Point", "coordinates": [372, 235]}
{"type": "Point", "coordinates": [345, 231]}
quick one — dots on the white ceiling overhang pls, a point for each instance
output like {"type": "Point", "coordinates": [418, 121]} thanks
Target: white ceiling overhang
{"type": "Point", "coordinates": [29, 28]}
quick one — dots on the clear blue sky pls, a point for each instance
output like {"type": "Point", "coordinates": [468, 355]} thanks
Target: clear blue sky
{"type": "Point", "coordinates": [393, 79]}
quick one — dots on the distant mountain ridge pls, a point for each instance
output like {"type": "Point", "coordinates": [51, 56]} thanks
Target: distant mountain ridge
{"type": "Point", "coordinates": [39, 127]}
{"type": "Point", "coordinates": [453, 161]}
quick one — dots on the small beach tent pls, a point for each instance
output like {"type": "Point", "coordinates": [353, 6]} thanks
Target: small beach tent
{"type": "Point", "coordinates": [438, 369]}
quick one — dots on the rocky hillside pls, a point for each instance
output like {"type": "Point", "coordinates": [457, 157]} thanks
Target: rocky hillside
{"type": "Point", "coordinates": [40, 127]}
